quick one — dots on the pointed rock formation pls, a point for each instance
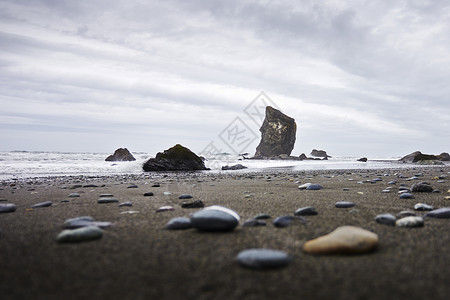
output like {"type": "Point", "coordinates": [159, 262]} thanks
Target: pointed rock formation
{"type": "Point", "coordinates": [277, 134]}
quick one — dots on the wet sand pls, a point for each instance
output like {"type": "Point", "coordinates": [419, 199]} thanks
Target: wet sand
{"type": "Point", "coordinates": [137, 258]}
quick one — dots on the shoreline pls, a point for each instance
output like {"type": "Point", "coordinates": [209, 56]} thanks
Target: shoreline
{"type": "Point", "coordinates": [137, 258]}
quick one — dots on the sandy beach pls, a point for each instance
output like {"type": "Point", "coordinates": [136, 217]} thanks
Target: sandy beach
{"type": "Point", "coordinates": [137, 258]}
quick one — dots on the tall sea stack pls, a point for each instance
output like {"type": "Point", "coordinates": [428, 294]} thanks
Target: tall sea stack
{"type": "Point", "coordinates": [277, 134]}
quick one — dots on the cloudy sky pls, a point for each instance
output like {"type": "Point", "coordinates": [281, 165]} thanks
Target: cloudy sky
{"type": "Point", "coordinates": [361, 78]}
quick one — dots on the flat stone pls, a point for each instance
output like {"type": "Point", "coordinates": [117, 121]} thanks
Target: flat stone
{"type": "Point", "coordinates": [423, 207]}
{"type": "Point", "coordinates": [179, 223]}
{"type": "Point", "coordinates": [262, 217]}
{"type": "Point", "coordinates": [345, 239]}
{"type": "Point", "coordinates": [106, 195]}
{"type": "Point", "coordinates": [42, 204]}
{"type": "Point", "coordinates": [411, 221]}
{"type": "Point", "coordinates": [107, 200]}
{"type": "Point", "coordinates": [440, 213]}
{"type": "Point", "coordinates": [74, 195]}
{"type": "Point", "coordinates": [386, 191]}
{"type": "Point", "coordinates": [306, 211]}
{"type": "Point", "coordinates": [82, 234]}
{"type": "Point", "coordinates": [254, 223]}
{"type": "Point", "coordinates": [285, 221]}
{"type": "Point", "coordinates": [263, 258]}
{"type": "Point", "coordinates": [90, 185]}
{"type": "Point", "coordinates": [405, 213]}
{"type": "Point", "coordinates": [128, 203]}
{"type": "Point", "coordinates": [81, 222]}
{"type": "Point", "coordinates": [7, 207]}
{"type": "Point", "coordinates": [386, 219]}
{"type": "Point", "coordinates": [133, 186]}
{"type": "Point", "coordinates": [195, 204]}
{"type": "Point", "coordinates": [314, 187]}
{"type": "Point", "coordinates": [185, 196]}
{"type": "Point", "coordinates": [3, 199]}
{"type": "Point", "coordinates": [406, 196]}
{"type": "Point", "coordinates": [149, 194]}
{"type": "Point", "coordinates": [165, 208]}
{"type": "Point", "coordinates": [304, 186]}
{"type": "Point", "coordinates": [156, 185]}
{"type": "Point", "coordinates": [215, 218]}
{"type": "Point", "coordinates": [344, 204]}
{"type": "Point", "coordinates": [167, 193]}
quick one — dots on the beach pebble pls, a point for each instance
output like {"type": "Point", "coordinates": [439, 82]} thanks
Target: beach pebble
{"type": "Point", "coordinates": [7, 207]}
{"type": "Point", "coordinates": [386, 191]}
{"type": "Point", "coordinates": [167, 193]}
{"type": "Point", "coordinates": [107, 200]}
{"type": "Point", "coordinates": [421, 187]}
{"type": "Point", "coordinates": [314, 187]}
{"type": "Point", "coordinates": [185, 196]}
{"type": "Point", "coordinates": [304, 186]}
{"type": "Point", "coordinates": [262, 217]}
{"type": "Point", "coordinates": [156, 185]}
{"type": "Point", "coordinates": [345, 239]}
{"type": "Point", "coordinates": [128, 203]}
{"type": "Point", "coordinates": [344, 204]}
{"type": "Point", "coordinates": [215, 218]}
{"type": "Point", "coordinates": [80, 234]}
{"type": "Point", "coordinates": [195, 204]}
{"type": "Point", "coordinates": [106, 195]}
{"type": "Point", "coordinates": [263, 258]}
{"type": "Point", "coordinates": [165, 208]}
{"type": "Point", "coordinates": [411, 221]}
{"type": "Point", "coordinates": [405, 213]}
{"type": "Point", "coordinates": [42, 204]}
{"type": "Point", "coordinates": [149, 194]}
{"type": "Point", "coordinates": [285, 221]}
{"type": "Point", "coordinates": [406, 196]}
{"type": "Point", "coordinates": [133, 186]}
{"type": "Point", "coordinates": [440, 213]}
{"type": "Point", "coordinates": [74, 195]}
{"type": "Point", "coordinates": [423, 207]}
{"type": "Point", "coordinates": [129, 212]}
{"type": "Point", "coordinates": [179, 223]}
{"type": "Point", "coordinates": [84, 222]}
{"type": "Point", "coordinates": [386, 219]}
{"type": "Point", "coordinates": [90, 186]}
{"type": "Point", "coordinates": [3, 199]}
{"type": "Point", "coordinates": [306, 211]}
{"type": "Point", "coordinates": [254, 223]}
{"type": "Point", "coordinates": [392, 182]}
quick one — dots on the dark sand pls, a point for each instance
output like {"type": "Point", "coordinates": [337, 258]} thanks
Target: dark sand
{"type": "Point", "coordinates": [138, 259]}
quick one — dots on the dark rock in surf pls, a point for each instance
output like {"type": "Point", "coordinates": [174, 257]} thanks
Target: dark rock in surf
{"type": "Point", "coordinates": [177, 158]}
{"type": "Point", "coordinates": [121, 154]}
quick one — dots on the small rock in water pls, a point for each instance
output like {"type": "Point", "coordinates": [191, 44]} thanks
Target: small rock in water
{"type": "Point", "coordinates": [386, 219]}
{"type": "Point", "coordinates": [179, 223]}
{"type": "Point", "coordinates": [128, 203]}
{"type": "Point", "coordinates": [263, 258]}
{"type": "Point", "coordinates": [74, 195]}
{"type": "Point", "coordinates": [406, 196]}
{"type": "Point", "coordinates": [7, 207]}
{"type": "Point", "coordinates": [107, 200]}
{"type": "Point", "coordinates": [42, 204]}
{"type": "Point", "coordinates": [411, 221]}
{"type": "Point", "coordinates": [254, 223]}
{"type": "Point", "coordinates": [421, 187]}
{"type": "Point", "coordinates": [314, 187]}
{"type": "Point", "coordinates": [195, 204]}
{"type": "Point", "coordinates": [440, 213]}
{"type": "Point", "coordinates": [306, 211]}
{"type": "Point", "coordinates": [345, 239]}
{"type": "Point", "coordinates": [165, 208]}
{"type": "Point", "coordinates": [80, 234]}
{"type": "Point", "coordinates": [215, 218]}
{"type": "Point", "coordinates": [149, 194]}
{"type": "Point", "coordinates": [344, 204]}
{"type": "Point", "coordinates": [262, 217]}
{"type": "Point", "coordinates": [423, 207]}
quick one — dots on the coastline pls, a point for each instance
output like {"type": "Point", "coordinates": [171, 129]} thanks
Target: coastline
{"type": "Point", "coordinates": [137, 258]}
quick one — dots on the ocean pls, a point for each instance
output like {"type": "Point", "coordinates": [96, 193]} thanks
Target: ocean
{"type": "Point", "coordinates": [26, 164]}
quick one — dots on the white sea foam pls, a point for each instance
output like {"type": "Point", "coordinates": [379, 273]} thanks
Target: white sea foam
{"type": "Point", "coordinates": [23, 164]}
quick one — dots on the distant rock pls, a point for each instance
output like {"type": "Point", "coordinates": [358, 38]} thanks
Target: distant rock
{"type": "Point", "coordinates": [121, 154]}
{"type": "Point", "coordinates": [177, 158]}
{"type": "Point", "coordinates": [235, 167]}
{"type": "Point", "coordinates": [362, 159]}
{"type": "Point", "coordinates": [444, 156]}
{"type": "Point", "coordinates": [319, 153]}
{"type": "Point", "coordinates": [417, 156]}
{"type": "Point", "coordinates": [303, 156]}
{"type": "Point", "coordinates": [277, 134]}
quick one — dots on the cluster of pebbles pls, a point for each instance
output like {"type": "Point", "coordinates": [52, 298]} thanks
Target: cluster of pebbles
{"type": "Point", "coordinates": [216, 218]}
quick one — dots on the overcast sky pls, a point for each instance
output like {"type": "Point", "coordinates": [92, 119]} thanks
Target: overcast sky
{"type": "Point", "coordinates": [361, 78]}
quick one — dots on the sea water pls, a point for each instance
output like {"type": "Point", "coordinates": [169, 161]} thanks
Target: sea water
{"type": "Point", "coordinates": [26, 164]}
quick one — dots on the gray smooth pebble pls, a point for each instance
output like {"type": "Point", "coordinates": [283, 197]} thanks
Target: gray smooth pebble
{"type": "Point", "coordinates": [82, 234]}
{"type": "Point", "coordinates": [263, 258]}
